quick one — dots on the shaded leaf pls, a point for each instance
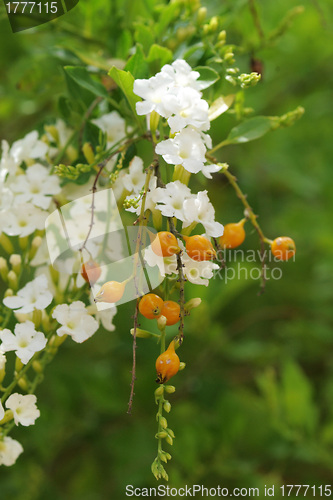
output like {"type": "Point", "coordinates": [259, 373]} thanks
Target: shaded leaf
{"type": "Point", "coordinates": [249, 130]}
{"type": "Point", "coordinates": [208, 76]}
{"type": "Point", "coordinates": [81, 76]}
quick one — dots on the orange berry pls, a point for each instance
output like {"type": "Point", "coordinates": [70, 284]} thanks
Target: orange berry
{"type": "Point", "coordinates": [199, 248]}
{"type": "Point", "coordinates": [165, 244]}
{"type": "Point", "coordinates": [111, 292]}
{"type": "Point", "coordinates": [233, 235]}
{"type": "Point", "coordinates": [150, 306]}
{"type": "Point", "coordinates": [90, 271]}
{"type": "Point", "coordinates": [283, 248]}
{"type": "Point", "coordinates": [171, 311]}
{"type": "Point", "coordinates": [167, 364]}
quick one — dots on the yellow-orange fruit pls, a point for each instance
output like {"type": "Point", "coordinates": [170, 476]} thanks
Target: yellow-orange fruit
{"type": "Point", "coordinates": [234, 235]}
{"type": "Point", "coordinates": [165, 244]}
{"type": "Point", "coordinates": [111, 292]}
{"type": "Point", "coordinates": [199, 248]}
{"type": "Point", "coordinates": [171, 311]}
{"type": "Point", "coordinates": [90, 271]}
{"type": "Point", "coordinates": [283, 247]}
{"type": "Point", "coordinates": [150, 306]}
{"type": "Point", "coordinates": [167, 364]}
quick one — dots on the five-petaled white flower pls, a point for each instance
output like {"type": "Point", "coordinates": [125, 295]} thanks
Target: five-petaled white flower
{"type": "Point", "coordinates": [199, 209]}
{"type": "Point", "coordinates": [186, 148]}
{"type": "Point", "coordinates": [198, 272]}
{"type": "Point", "coordinates": [30, 147]}
{"type": "Point", "coordinates": [172, 199]}
{"type": "Point", "coordinates": [75, 321]}
{"type": "Point", "coordinates": [35, 295]}
{"type": "Point", "coordinates": [36, 186]}
{"type": "Point", "coordinates": [187, 108]}
{"type": "Point", "coordinates": [22, 220]}
{"type": "Point", "coordinates": [153, 92]}
{"type": "Point", "coordinates": [10, 450]}
{"type": "Point", "coordinates": [25, 341]}
{"type": "Point", "coordinates": [24, 408]}
{"type": "Point", "coordinates": [135, 178]}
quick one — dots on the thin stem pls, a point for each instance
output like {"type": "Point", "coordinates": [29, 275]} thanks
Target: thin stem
{"type": "Point", "coordinates": [256, 19]}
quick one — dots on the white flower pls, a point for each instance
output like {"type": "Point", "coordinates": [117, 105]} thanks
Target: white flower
{"type": "Point", "coordinates": [25, 341]}
{"type": "Point", "coordinates": [113, 125]}
{"type": "Point", "coordinates": [7, 163]}
{"type": "Point", "coordinates": [135, 179]}
{"type": "Point", "coordinates": [153, 92]}
{"type": "Point", "coordinates": [10, 450]}
{"type": "Point", "coordinates": [35, 295]}
{"type": "Point", "coordinates": [24, 408]}
{"type": "Point", "coordinates": [75, 321]}
{"type": "Point", "coordinates": [2, 414]}
{"type": "Point", "coordinates": [166, 265]}
{"type": "Point", "coordinates": [188, 109]}
{"type": "Point", "coordinates": [172, 199]}
{"type": "Point", "coordinates": [186, 148]}
{"type": "Point", "coordinates": [198, 272]}
{"type": "Point", "coordinates": [181, 74]}
{"type": "Point", "coordinates": [199, 209]}
{"type": "Point", "coordinates": [36, 186]}
{"type": "Point", "coordinates": [22, 220]}
{"type": "Point", "coordinates": [105, 316]}
{"type": "Point", "coordinates": [30, 147]}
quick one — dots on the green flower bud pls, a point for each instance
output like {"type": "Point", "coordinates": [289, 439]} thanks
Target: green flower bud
{"type": "Point", "coordinates": [3, 269]}
{"type": "Point", "coordinates": [167, 406]}
{"type": "Point", "coordinates": [88, 152]}
{"type": "Point", "coordinates": [6, 243]}
{"type": "Point", "coordinates": [162, 435]}
{"type": "Point", "coordinates": [159, 391]}
{"type": "Point", "coordinates": [202, 14]}
{"type": "Point", "coordinates": [170, 389]}
{"type": "Point", "coordinates": [169, 440]}
{"type": "Point", "coordinates": [182, 365]}
{"type": "Point", "coordinates": [36, 365]}
{"type": "Point", "coordinates": [163, 422]}
{"type": "Point", "coordinates": [9, 292]}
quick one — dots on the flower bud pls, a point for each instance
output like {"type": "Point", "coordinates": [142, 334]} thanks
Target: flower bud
{"type": "Point", "coordinates": [15, 261]}
{"type": "Point", "coordinates": [12, 280]}
{"type": "Point", "coordinates": [8, 293]}
{"type": "Point", "coordinates": [169, 440]}
{"type": "Point", "coordinates": [159, 391]}
{"type": "Point", "coordinates": [7, 417]}
{"type": "Point", "coordinates": [3, 269]}
{"type": "Point", "coordinates": [167, 406]}
{"type": "Point", "coordinates": [162, 435]}
{"type": "Point", "coordinates": [163, 422]}
{"type": "Point", "coordinates": [161, 322]}
{"type": "Point", "coordinates": [88, 153]}
{"type": "Point", "coordinates": [143, 334]}
{"type": "Point", "coordinates": [182, 365]}
{"type": "Point", "coordinates": [6, 243]}
{"type": "Point", "coordinates": [23, 384]}
{"type": "Point", "coordinates": [192, 304]}
{"type": "Point", "coordinates": [202, 14]}
{"type": "Point", "coordinates": [36, 365]}
{"type": "Point", "coordinates": [170, 389]}
{"type": "Point", "coordinates": [35, 244]}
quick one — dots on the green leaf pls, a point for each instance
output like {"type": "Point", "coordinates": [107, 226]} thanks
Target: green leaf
{"type": "Point", "coordinates": [137, 64]}
{"type": "Point", "coordinates": [208, 76]}
{"type": "Point", "coordinates": [297, 399]}
{"type": "Point", "coordinates": [125, 81]}
{"type": "Point", "coordinates": [170, 12]}
{"type": "Point", "coordinates": [159, 53]}
{"type": "Point", "coordinates": [249, 130]}
{"type": "Point", "coordinates": [144, 36]}
{"type": "Point", "coordinates": [81, 76]}
{"type": "Point", "coordinates": [220, 105]}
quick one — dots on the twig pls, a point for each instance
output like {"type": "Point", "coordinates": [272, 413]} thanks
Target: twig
{"type": "Point", "coordinates": [132, 394]}
{"type": "Point", "coordinates": [256, 19]}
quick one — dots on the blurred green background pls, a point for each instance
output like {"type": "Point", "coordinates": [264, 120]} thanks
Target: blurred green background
{"type": "Point", "coordinates": [254, 406]}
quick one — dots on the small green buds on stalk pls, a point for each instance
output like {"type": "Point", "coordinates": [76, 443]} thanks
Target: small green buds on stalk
{"type": "Point", "coordinates": [248, 80]}
{"type": "Point", "coordinates": [3, 269]}
{"type": "Point", "coordinates": [15, 261]}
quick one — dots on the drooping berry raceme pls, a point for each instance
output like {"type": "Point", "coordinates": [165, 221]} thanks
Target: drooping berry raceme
{"type": "Point", "coordinates": [150, 306]}
{"type": "Point", "coordinates": [167, 364]}
{"type": "Point", "coordinates": [165, 244]}
{"type": "Point", "coordinates": [90, 272]}
{"type": "Point", "coordinates": [171, 311]}
{"type": "Point", "coordinates": [283, 248]}
{"type": "Point", "coordinates": [234, 234]}
{"type": "Point", "coordinates": [111, 292]}
{"type": "Point", "coordinates": [199, 248]}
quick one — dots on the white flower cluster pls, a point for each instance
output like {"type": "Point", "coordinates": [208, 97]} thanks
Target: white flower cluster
{"type": "Point", "coordinates": [174, 94]}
